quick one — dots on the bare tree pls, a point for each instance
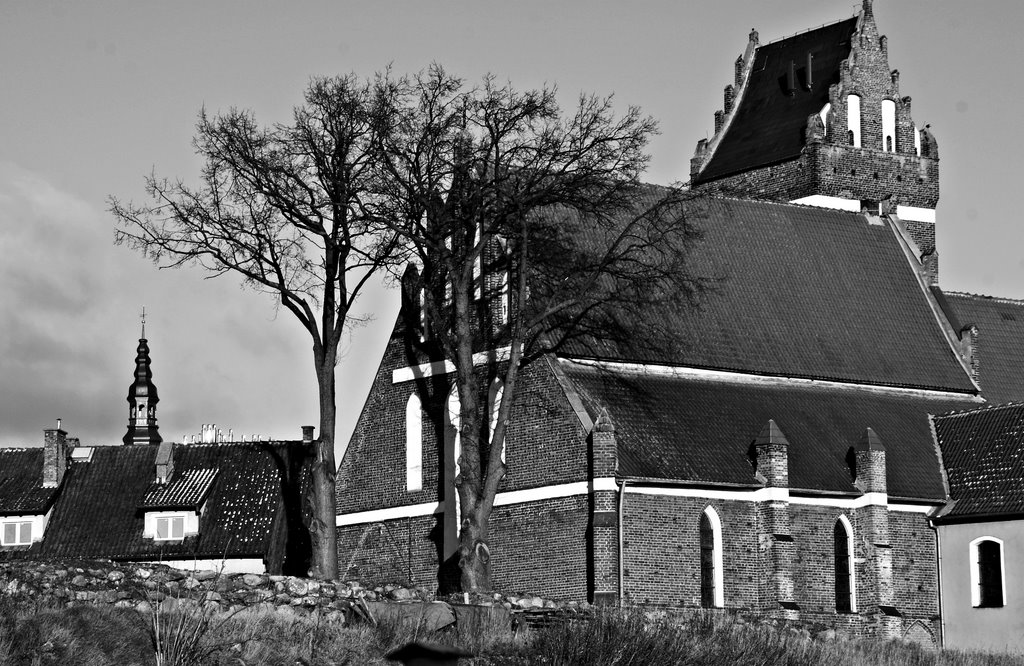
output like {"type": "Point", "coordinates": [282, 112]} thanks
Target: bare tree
{"type": "Point", "coordinates": [284, 207]}
{"type": "Point", "coordinates": [532, 232]}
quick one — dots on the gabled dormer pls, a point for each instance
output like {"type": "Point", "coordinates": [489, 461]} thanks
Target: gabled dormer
{"type": "Point", "coordinates": [174, 501]}
{"type": "Point", "coordinates": [30, 480]}
{"type": "Point", "coordinates": [818, 118]}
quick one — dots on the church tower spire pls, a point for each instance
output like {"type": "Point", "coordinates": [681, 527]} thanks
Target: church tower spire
{"type": "Point", "coordinates": [142, 398]}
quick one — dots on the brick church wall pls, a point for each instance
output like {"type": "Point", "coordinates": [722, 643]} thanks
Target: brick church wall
{"type": "Point", "coordinates": [545, 445]}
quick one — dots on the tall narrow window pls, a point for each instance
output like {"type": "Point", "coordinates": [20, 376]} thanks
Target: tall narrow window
{"type": "Point", "coordinates": [494, 406]}
{"type": "Point", "coordinates": [987, 589]}
{"type": "Point", "coordinates": [853, 119]}
{"type": "Point", "coordinates": [917, 141]}
{"type": "Point", "coordinates": [889, 125]}
{"type": "Point", "coordinates": [413, 444]}
{"type": "Point", "coordinates": [454, 413]}
{"type": "Point", "coordinates": [843, 547]}
{"type": "Point", "coordinates": [711, 589]}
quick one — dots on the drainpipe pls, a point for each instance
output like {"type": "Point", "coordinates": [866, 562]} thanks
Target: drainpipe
{"type": "Point", "coordinates": [938, 584]}
{"type": "Point", "coordinates": [622, 504]}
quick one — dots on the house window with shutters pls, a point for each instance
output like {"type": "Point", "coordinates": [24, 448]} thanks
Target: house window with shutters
{"type": "Point", "coordinates": [844, 580]}
{"type": "Point", "coordinates": [987, 575]}
{"type": "Point", "coordinates": [711, 588]}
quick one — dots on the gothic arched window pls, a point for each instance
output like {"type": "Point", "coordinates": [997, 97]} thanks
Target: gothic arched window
{"type": "Point", "coordinates": [711, 589]}
{"type": "Point", "coordinates": [987, 589]}
{"type": "Point", "coordinates": [844, 581]}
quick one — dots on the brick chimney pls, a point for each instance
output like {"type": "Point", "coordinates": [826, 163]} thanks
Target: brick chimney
{"type": "Point", "coordinates": [55, 456]}
{"type": "Point", "coordinates": [307, 433]}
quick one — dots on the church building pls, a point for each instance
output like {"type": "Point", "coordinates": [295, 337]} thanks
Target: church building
{"type": "Point", "coordinates": [782, 461]}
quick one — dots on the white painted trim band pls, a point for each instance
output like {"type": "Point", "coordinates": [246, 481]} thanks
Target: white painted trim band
{"type": "Point", "coordinates": [609, 484]}
{"type": "Point", "coordinates": [445, 367]}
{"type": "Point", "coordinates": [744, 378]}
{"type": "Point", "coordinates": [824, 201]}
{"type": "Point", "coordinates": [915, 214]}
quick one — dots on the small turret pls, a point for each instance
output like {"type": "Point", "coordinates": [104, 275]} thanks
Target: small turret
{"type": "Point", "coordinates": [142, 398]}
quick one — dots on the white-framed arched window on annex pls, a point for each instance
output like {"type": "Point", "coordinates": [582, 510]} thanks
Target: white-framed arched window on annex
{"type": "Point", "coordinates": [712, 590]}
{"type": "Point", "coordinates": [845, 579]}
{"type": "Point", "coordinates": [413, 444]}
{"type": "Point", "coordinates": [988, 573]}
{"type": "Point", "coordinates": [493, 407]}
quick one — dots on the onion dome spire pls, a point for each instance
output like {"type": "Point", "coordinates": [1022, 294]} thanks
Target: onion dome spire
{"type": "Point", "coordinates": [142, 398]}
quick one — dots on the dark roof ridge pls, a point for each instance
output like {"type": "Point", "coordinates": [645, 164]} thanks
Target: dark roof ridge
{"type": "Point", "coordinates": [978, 410]}
{"type": "Point", "coordinates": [994, 299]}
{"type": "Point", "coordinates": [809, 30]}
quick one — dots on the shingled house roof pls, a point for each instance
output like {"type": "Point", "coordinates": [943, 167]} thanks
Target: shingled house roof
{"type": "Point", "coordinates": [677, 426]}
{"type": "Point", "coordinates": [798, 291]}
{"type": "Point", "coordinates": [769, 123]}
{"type": "Point", "coordinates": [100, 509]}
{"type": "Point", "coordinates": [21, 483]}
{"type": "Point", "coordinates": [1000, 325]}
{"type": "Point", "coordinates": [983, 453]}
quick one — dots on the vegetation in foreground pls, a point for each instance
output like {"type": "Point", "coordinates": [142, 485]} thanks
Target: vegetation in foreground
{"type": "Point", "coordinates": [102, 636]}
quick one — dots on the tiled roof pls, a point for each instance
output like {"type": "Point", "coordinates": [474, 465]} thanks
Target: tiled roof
{"type": "Point", "coordinates": [187, 489]}
{"type": "Point", "coordinates": [1000, 325]}
{"type": "Point", "coordinates": [689, 428]}
{"type": "Point", "coordinates": [97, 512]}
{"type": "Point", "coordinates": [799, 291]}
{"type": "Point", "coordinates": [983, 452]}
{"type": "Point", "coordinates": [769, 124]}
{"type": "Point", "coordinates": [21, 483]}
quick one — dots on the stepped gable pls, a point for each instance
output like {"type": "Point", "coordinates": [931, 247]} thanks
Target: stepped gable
{"type": "Point", "coordinates": [769, 123]}
{"type": "Point", "coordinates": [1000, 324]}
{"type": "Point", "coordinates": [798, 291]}
{"type": "Point", "coordinates": [100, 513]}
{"type": "Point", "coordinates": [983, 454]}
{"type": "Point", "coordinates": [680, 427]}
{"type": "Point", "coordinates": [21, 483]}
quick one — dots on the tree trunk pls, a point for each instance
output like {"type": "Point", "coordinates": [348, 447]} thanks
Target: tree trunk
{"type": "Point", "coordinates": [323, 526]}
{"type": "Point", "coordinates": [475, 553]}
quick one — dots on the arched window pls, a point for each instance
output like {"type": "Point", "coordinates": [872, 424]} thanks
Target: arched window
{"type": "Point", "coordinates": [413, 444]}
{"type": "Point", "coordinates": [711, 590]}
{"type": "Point", "coordinates": [846, 588]}
{"type": "Point", "coordinates": [493, 406]}
{"type": "Point", "coordinates": [853, 119]}
{"type": "Point", "coordinates": [888, 125]}
{"type": "Point", "coordinates": [987, 590]}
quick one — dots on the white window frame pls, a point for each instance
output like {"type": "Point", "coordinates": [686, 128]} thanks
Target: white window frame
{"type": "Point", "coordinates": [189, 524]}
{"type": "Point", "coordinates": [19, 524]}
{"type": "Point", "coordinates": [716, 540]}
{"type": "Point", "coordinates": [853, 569]}
{"type": "Point", "coordinates": [413, 444]}
{"type": "Point", "coordinates": [976, 571]}
{"type": "Point", "coordinates": [170, 520]}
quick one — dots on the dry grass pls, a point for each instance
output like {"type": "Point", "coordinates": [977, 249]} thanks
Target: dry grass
{"type": "Point", "coordinates": [102, 636]}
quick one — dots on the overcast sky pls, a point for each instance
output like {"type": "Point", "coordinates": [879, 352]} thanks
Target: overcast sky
{"type": "Point", "coordinates": [94, 95]}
